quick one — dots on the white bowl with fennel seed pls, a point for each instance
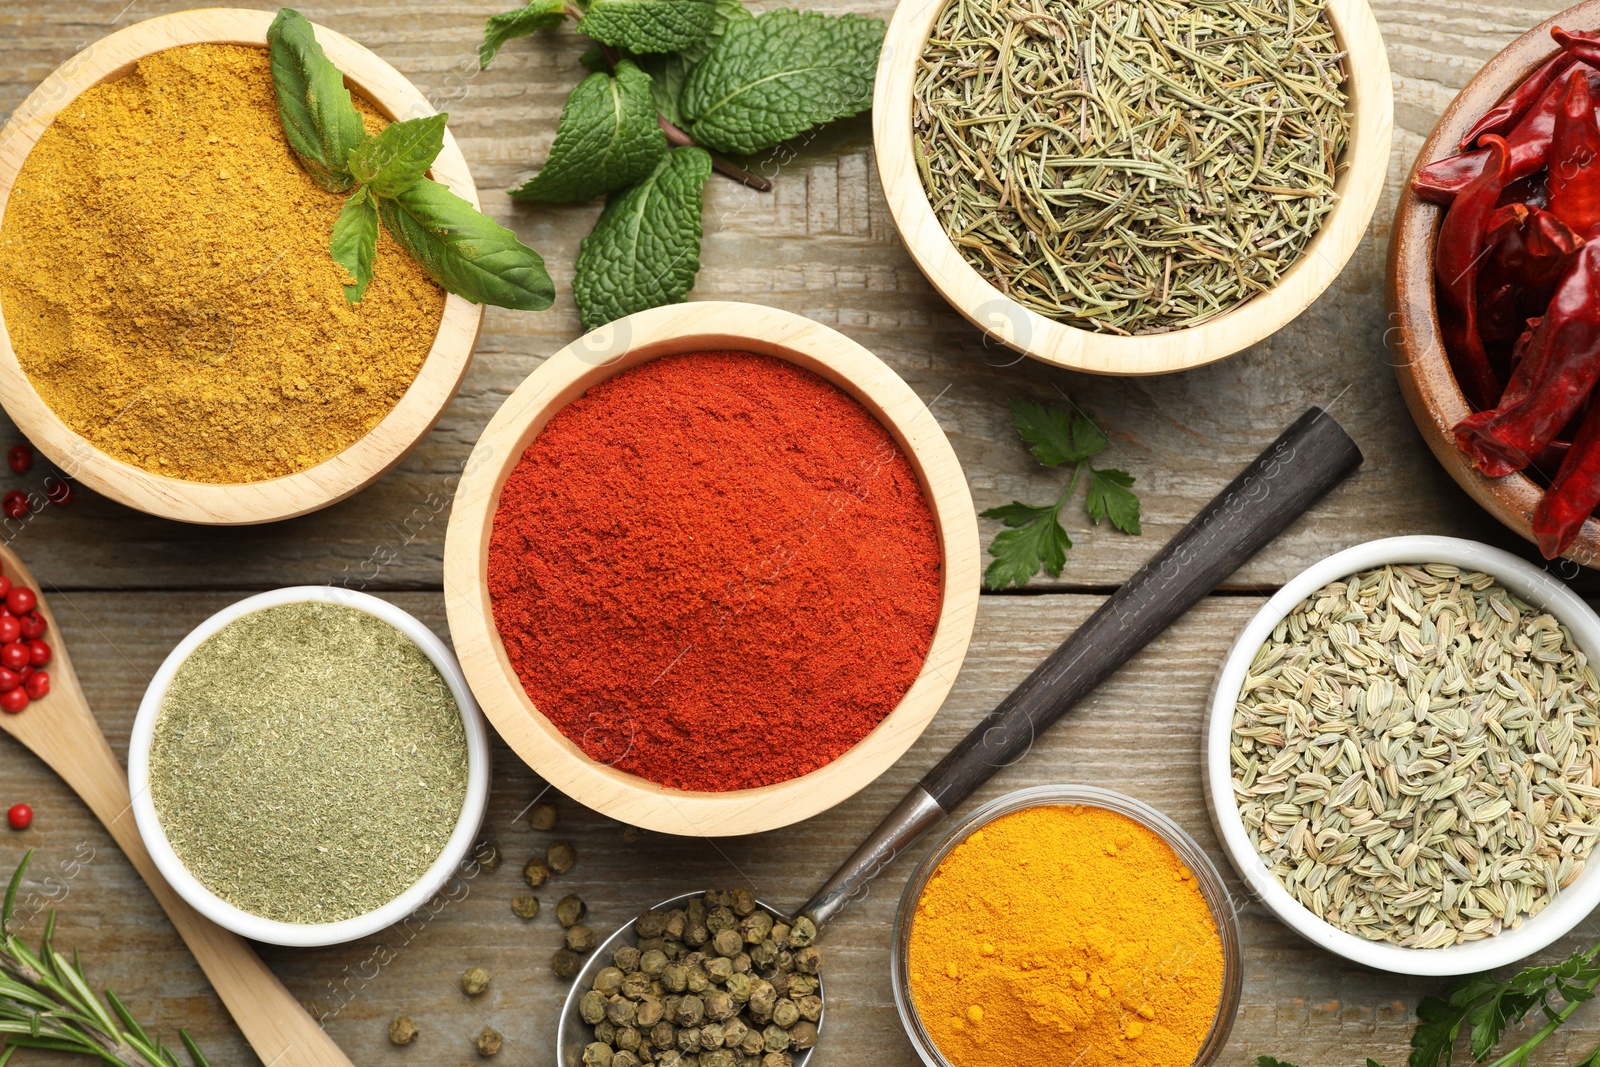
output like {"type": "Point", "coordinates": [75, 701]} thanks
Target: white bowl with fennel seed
{"type": "Point", "coordinates": [419, 730]}
{"type": "Point", "coordinates": [1403, 756]}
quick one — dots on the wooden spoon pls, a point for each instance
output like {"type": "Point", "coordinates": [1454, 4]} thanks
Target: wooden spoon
{"type": "Point", "coordinates": [61, 730]}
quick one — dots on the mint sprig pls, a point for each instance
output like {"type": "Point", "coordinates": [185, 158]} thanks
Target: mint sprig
{"type": "Point", "coordinates": [465, 251]}
{"type": "Point", "coordinates": [717, 77]}
{"type": "Point", "coordinates": [1034, 538]}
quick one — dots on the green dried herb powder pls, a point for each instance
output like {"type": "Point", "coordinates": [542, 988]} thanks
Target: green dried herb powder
{"type": "Point", "coordinates": [309, 763]}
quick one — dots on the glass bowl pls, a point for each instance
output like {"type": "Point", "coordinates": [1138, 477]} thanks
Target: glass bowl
{"type": "Point", "coordinates": [1211, 885]}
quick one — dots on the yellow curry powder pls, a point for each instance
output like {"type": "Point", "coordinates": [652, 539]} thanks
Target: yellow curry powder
{"type": "Point", "coordinates": [166, 280]}
{"type": "Point", "coordinates": [1065, 935]}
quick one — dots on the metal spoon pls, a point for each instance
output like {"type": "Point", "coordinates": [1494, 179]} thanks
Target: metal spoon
{"type": "Point", "coordinates": [1307, 459]}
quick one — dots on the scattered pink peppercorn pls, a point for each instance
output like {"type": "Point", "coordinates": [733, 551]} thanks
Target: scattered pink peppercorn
{"type": "Point", "coordinates": [20, 816]}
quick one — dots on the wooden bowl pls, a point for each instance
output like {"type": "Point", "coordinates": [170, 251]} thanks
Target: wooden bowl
{"type": "Point", "coordinates": [1420, 362]}
{"type": "Point", "coordinates": [1360, 184]}
{"type": "Point", "coordinates": [563, 378]}
{"type": "Point", "coordinates": [334, 478]}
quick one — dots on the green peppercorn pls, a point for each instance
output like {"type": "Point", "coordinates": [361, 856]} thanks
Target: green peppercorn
{"type": "Point", "coordinates": [779, 934]}
{"type": "Point", "coordinates": [695, 911]}
{"type": "Point", "coordinates": [699, 980]}
{"type": "Point", "coordinates": [802, 933]}
{"type": "Point", "coordinates": [628, 1038]}
{"type": "Point", "coordinates": [536, 871]}
{"type": "Point", "coordinates": [711, 1036]}
{"type": "Point", "coordinates": [756, 928]}
{"type": "Point", "coordinates": [808, 960]}
{"type": "Point", "coordinates": [719, 1006]}
{"type": "Point", "coordinates": [635, 985]}
{"type": "Point", "coordinates": [542, 816]}
{"type": "Point", "coordinates": [664, 1035]}
{"type": "Point", "coordinates": [487, 853]}
{"type": "Point", "coordinates": [650, 1011]}
{"type": "Point", "coordinates": [625, 1058]}
{"type": "Point", "coordinates": [570, 910]}
{"type": "Point", "coordinates": [810, 1008]}
{"type": "Point", "coordinates": [721, 918]}
{"type": "Point", "coordinates": [719, 970]}
{"type": "Point", "coordinates": [525, 906]}
{"type": "Point", "coordinates": [691, 1011]}
{"type": "Point", "coordinates": [651, 924]}
{"type": "Point", "coordinates": [597, 1054]}
{"type": "Point", "coordinates": [621, 1011]}
{"type": "Point", "coordinates": [696, 934]}
{"type": "Point", "coordinates": [764, 954]}
{"type": "Point", "coordinates": [718, 1058]}
{"type": "Point", "coordinates": [784, 960]}
{"type": "Point", "coordinates": [674, 924]}
{"type": "Point", "coordinates": [560, 857]}
{"type": "Point", "coordinates": [785, 1013]}
{"type": "Point", "coordinates": [673, 949]}
{"type": "Point", "coordinates": [489, 1041]}
{"type": "Point", "coordinates": [762, 999]}
{"type": "Point", "coordinates": [626, 957]}
{"type": "Point", "coordinates": [780, 981]}
{"type": "Point", "coordinates": [605, 1031]}
{"type": "Point", "coordinates": [738, 987]}
{"type": "Point", "coordinates": [689, 1039]}
{"type": "Point", "coordinates": [675, 976]}
{"type": "Point", "coordinates": [777, 1059]}
{"type": "Point", "coordinates": [716, 897]}
{"type": "Point", "coordinates": [607, 981]}
{"type": "Point", "coordinates": [671, 1058]}
{"type": "Point", "coordinates": [474, 980]}
{"type": "Point", "coordinates": [742, 901]}
{"type": "Point", "coordinates": [775, 1038]}
{"type": "Point", "coordinates": [565, 963]}
{"type": "Point", "coordinates": [402, 1031]}
{"type": "Point", "coordinates": [653, 963]}
{"type": "Point", "coordinates": [727, 943]}
{"type": "Point", "coordinates": [592, 1007]}
{"type": "Point", "coordinates": [742, 964]}
{"type": "Point", "coordinates": [581, 938]}
{"type": "Point", "coordinates": [802, 985]}
{"type": "Point", "coordinates": [752, 1042]}
{"type": "Point", "coordinates": [803, 1035]}
{"type": "Point", "coordinates": [650, 944]}
{"type": "Point", "coordinates": [733, 1032]}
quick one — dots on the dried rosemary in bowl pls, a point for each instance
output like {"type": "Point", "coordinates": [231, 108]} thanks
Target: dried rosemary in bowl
{"type": "Point", "coordinates": [1415, 755]}
{"type": "Point", "coordinates": [1131, 166]}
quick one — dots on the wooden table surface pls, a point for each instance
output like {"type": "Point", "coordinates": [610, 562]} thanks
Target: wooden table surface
{"type": "Point", "coordinates": [126, 587]}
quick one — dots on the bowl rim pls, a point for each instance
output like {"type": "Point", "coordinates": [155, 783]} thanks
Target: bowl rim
{"type": "Point", "coordinates": [627, 342]}
{"type": "Point", "coordinates": [332, 479]}
{"type": "Point", "coordinates": [1570, 907]}
{"type": "Point", "coordinates": [1420, 365]}
{"type": "Point", "coordinates": [1361, 186]}
{"type": "Point", "coordinates": [1220, 902]}
{"type": "Point", "coordinates": [306, 935]}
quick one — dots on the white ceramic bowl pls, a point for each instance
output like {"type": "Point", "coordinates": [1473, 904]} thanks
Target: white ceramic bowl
{"type": "Point", "coordinates": [301, 935]}
{"type": "Point", "coordinates": [1537, 587]}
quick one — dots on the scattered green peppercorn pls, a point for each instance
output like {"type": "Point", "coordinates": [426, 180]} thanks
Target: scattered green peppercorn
{"type": "Point", "coordinates": [474, 980]}
{"type": "Point", "coordinates": [525, 906]}
{"type": "Point", "coordinates": [542, 816]}
{"type": "Point", "coordinates": [592, 1007]}
{"type": "Point", "coordinates": [560, 857]}
{"type": "Point", "coordinates": [402, 1031]}
{"type": "Point", "coordinates": [536, 871]}
{"type": "Point", "coordinates": [565, 963]}
{"type": "Point", "coordinates": [489, 1041]}
{"type": "Point", "coordinates": [581, 938]}
{"type": "Point", "coordinates": [487, 853]}
{"type": "Point", "coordinates": [570, 910]}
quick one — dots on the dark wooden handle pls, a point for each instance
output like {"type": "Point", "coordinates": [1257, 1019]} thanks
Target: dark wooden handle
{"type": "Point", "coordinates": [1307, 460]}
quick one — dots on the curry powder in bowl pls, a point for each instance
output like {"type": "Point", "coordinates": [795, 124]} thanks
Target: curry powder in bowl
{"type": "Point", "coordinates": [168, 288]}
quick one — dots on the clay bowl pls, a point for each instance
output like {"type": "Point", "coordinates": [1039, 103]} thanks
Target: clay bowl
{"type": "Point", "coordinates": [1360, 184]}
{"type": "Point", "coordinates": [563, 378]}
{"type": "Point", "coordinates": [1420, 363]}
{"type": "Point", "coordinates": [334, 478]}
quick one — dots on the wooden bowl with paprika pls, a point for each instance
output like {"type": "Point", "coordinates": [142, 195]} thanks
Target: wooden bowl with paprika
{"type": "Point", "coordinates": [297, 480]}
{"type": "Point", "coordinates": [712, 569]}
{"type": "Point", "coordinates": [1416, 338]}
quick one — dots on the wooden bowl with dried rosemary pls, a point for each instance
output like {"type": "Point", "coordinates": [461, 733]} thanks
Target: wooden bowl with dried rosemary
{"type": "Point", "coordinates": [1403, 756]}
{"type": "Point", "coordinates": [174, 332]}
{"type": "Point", "coordinates": [1135, 188]}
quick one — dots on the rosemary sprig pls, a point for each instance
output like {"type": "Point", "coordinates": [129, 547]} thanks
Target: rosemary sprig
{"type": "Point", "coordinates": [46, 1003]}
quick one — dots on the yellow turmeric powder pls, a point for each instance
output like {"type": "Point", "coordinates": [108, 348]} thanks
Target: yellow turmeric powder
{"type": "Point", "coordinates": [167, 285]}
{"type": "Point", "coordinates": [1068, 935]}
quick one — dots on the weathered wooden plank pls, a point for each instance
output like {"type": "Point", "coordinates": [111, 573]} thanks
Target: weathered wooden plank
{"type": "Point", "coordinates": [1139, 734]}
{"type": "Point", "coordinates": [820, 244]}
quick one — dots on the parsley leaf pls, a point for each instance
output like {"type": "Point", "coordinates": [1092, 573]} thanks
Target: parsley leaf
{"type": "Point", "coordinates": [645, 250]}
{"type": "Point", "coordinates": [607, 139]}
{"type": "Point", "coordinates": [538, 15]}
{"type": "Point", "coordinates": [779, 74]}
{"type": "Point", "coordinates": [355, 241]}
{"type": "Point", "coordinates": [1056, 436]}
{"type": "Point", "coordinates": [649, 25]}
{"type": "Point", "coordinates": [1110, 498]}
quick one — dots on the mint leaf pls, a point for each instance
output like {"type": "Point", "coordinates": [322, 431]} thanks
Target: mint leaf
{"type": "Point", "coordinates": [538, 15]}
{"type": "Point", "coordinates": [468, 253]}
{"type": "Point", "coordinates": [667, 75]}
{"type": "Point", "coordinates": [1110, 498]}
{"type": "Point", "coordinates": [645, 250]}
{"type": "Point", "coordinates": [355, 241]}
{"type": "Point", "coordinates": [1036, 540]}
{"type": "Point", "coordinates": [779, 74]}
{"type": "Point", "coordinates": [1268, 1061]}
{"type": "Point", "coordinates": [649, 25]}
{"type": "Point", "coordinates": [320, 122]}
{"type": "Point", "coordinates": [399, 156]}
{"type": "Point", "coordinates": [608, 138]}
{"type": "Point", "coordinates": [726, 13]}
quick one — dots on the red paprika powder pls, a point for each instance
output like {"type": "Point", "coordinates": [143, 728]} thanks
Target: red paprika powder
{"type": "Point", "coordinates": [715, 571]}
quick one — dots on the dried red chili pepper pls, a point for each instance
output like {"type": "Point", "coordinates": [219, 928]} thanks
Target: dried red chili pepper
{"type": "Point", "coordinates": [1574, 162]}
{"type": "Point", "coordinates": [1574, 493]}
{"type": "Point", "coordinates": [1526, 251]}
{"type": "Point", "coordinates": [1553, 378]}
{"type": "Point", "coordinates": [1458, 257]}
{"type": "Point", "coordinates": [1504, 115]}
{"type": "Point", "coordinates": [1581, 46]}
{"type": "Point", "coordinates": [1528, 142]}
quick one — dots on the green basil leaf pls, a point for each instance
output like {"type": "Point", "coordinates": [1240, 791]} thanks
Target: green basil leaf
{"type": "Point", "coordinates": [538, 15]}
{"type": "Point", "coordinates": [465, 251]}
{"type": "Point", "coordinates": [319, 118]}
{"type": "Point", "coordinates": [780, 74]}
{"type": "Point", "coordinates": [399, 156]}
{"type": "Point", "coordinates": [645, 249]}
{"type": "Point", "coordinates": [649, 25]}
{"type": "Point", "coordinates": [355, 241]}
{"type": "Point", "coordinates": [608, 138]}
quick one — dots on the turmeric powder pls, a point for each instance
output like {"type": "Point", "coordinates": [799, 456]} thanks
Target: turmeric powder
{"type": "Point", "coordinates": [1060, 934]}
{"type": "Point", "coordinates": [166, 281]}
